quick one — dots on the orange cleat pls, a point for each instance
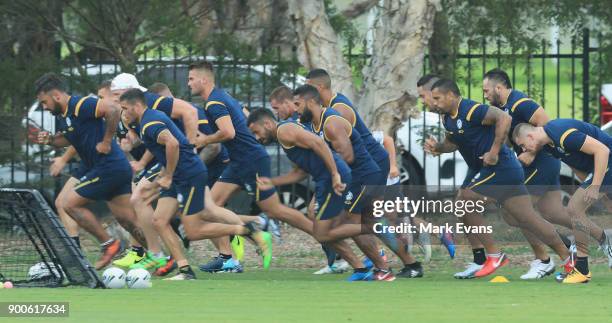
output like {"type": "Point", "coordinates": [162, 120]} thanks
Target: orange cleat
{"type": "Point", "coordinates": [491, 265]}
{"type": "Point", "coordinates": [108, 252]}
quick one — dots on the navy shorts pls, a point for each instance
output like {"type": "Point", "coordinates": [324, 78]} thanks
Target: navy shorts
{"type": "Point", "coordinates": [99, 184]}
{"type": "Point", "coordinates": [245, 175]}
{"type": "Point", "coordinates": [190, 194]}
{"type": "Point", "coordinates": [543, 174]}
{"type": "Point", "coordinates": [499, 183]}
{"type": "Point", "coordinates": [78, 171]}
{"type": "Point", "coordinates": [149, 173]}
{"type": "Point", "coordinates": [215, 169]}
{"type": "Point", "coordinates": [606, 184]}
{"type": "Point", "coordinates": [328, 204]}
{"type": "Point", "coordinates": [358, 194]}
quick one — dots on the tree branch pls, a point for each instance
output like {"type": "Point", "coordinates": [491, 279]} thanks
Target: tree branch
{"type": "Point", "coordinates": [357, 8]}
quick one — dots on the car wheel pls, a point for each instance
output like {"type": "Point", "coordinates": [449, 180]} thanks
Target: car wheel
{"type": "Point", "coordinates": [410, 171]}
{"type": "Point", "coordinates": [295, 196]}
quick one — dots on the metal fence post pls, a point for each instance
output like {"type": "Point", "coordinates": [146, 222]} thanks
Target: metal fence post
{"type": "Point", "coordinates": [585, 74]}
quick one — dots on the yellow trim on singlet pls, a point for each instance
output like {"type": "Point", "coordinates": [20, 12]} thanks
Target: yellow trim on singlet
{"type": "Point", "coordinates": [157, 102]}
{"type": "Point", "coordinates": [149, 124]}
{"type": "Point", "coordinates": [564, 135]}
{"type": "Point", "coordinates": [472, 109]}
{"type": "Point", "coordinates": [516, 104]}
{"type": "Point", "coordinates": [278, 139]}
{"type": "Point", "coordinates": [341, 118]}
{"type": "Point", "coordinates": [213, 102]}
{"type": "Point", "coordinates": [78, 106]}
{"type": "Point", "coordinates": [348, 106]}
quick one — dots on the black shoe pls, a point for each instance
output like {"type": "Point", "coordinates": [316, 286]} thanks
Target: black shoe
{"type": "Point", "coordinates": [213, 266]}
{"type": "Point", "coordinates": [411, 272]}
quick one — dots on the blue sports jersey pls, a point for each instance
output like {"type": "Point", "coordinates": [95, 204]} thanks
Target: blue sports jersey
{"type": "Point", "coordinates": [243, 148]}
{"type": "Point", "coordinates": [309, 161]}
{"type": "Point", "coordinates": [472, 138]}
{"type": "Point", "coordinates": [82, 127]}
{"type": "Point", "coordinates": [205, 128]}
{"type": "Point", "coordinates": [521, 108]}
{"type": "Point", "coordinates": [568, 136]}
{"type": "Point", "coordinates": [376, 150]}
{"type": "Point", "coordinates": [152, 124]}
{"type": "Point", "coordinates": [363, 164]}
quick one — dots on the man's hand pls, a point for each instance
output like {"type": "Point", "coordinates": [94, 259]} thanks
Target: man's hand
{"type": "Point", "coordinates": [126, 145]}
{"type": "Point", "coordinates": [393, 171]}
{"type": "Point", "coordinates": [136, 166]}
{"type": "Point", "coordinates": [430, 146]}
{"type": "Point", "coordinates": [591, 194]}
{"type": "Point", "coordinates": [201, 140]}
{"type": "Point", "coordinates": [164, 181]}
{"type": "Point", "coordinates": [103, 147]}
{"type": "Point", "coordinates": [44, 138]}
{"type": "Point", "coordinates": [264, 183]}
{"type": "Point", "coordinates": [57, 165]}
{"type": "Point", "coordinates": [490, 159]}
{"type": "Point", "coordinates": [526, 158]}
{"type": "Point", "coordinates": [337, 184]}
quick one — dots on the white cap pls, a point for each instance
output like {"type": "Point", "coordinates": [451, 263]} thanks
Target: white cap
{"type": "Point", "coordinates": [125, 81]}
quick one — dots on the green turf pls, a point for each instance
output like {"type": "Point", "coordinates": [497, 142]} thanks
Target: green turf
{"type": "Point", "coordinates": [291, 295]}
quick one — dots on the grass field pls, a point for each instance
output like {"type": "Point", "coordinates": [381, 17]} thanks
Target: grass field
{"type": "Point", "coordinates": [297, 295]}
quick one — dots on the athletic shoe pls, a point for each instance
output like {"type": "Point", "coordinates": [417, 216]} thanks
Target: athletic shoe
{"type": "Point", "coordinates": [361, 276]}
{"type": "Point", "coordinates": [383, 275]}
{"type": "Point", "coordinates": [446, 239]}
{"type": "Point", "coordinates": [182, 276]}
{"type": "Point", "coordinates": [213, 266]}
{"type": "Point", "coordinates": [269, 225]}
{"type": "Point", "coordinates": [337, 267]}
{"type": "Point", "coordinates": [470, 271]}
{"type": "Point", "coordinates": [368, 264]}
{"type": "Point", "coordinates": [129, 258]}
{"type": "Point", "coordinates": [491, 265]}
{"type": "Point", "coordinates": [408, 272]}
{"type": "Point", "coordinates": [424, 242]}
{"type": "Point", "coordinates": [231, 266]}
{"type": "Point", "coordinates": [108, 252]}
{"type": "Point", "coordinates": [168, 268]}
{"type": "Point", "coordinates": [568, 267]}
{"type": "Point", "coordinates": [538, 269]}
{"type": "Point", "coordinates": [150, 262]}
{"type": "Point", "coordinates": [237, 243]}
{"type": "Point", "coordinates": [263, 240]}
{"type": "Point", "coordinates": [576, 277]}
{"type": "Point", "coordinates": [606, 246]}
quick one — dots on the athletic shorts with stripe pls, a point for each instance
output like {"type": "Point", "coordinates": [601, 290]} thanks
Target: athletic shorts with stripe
{"type": "Point", "coordinates": [360, 192]}
{"type": "Point", "coordinates": [245, 175]}
{"type": "Point", "coordinates": [98, 184]}
{"type": "Point", "coordinates": [190, 194]}
{"type": "Point", "coordinates": [499, 183]}
{"type": "Point", "coordinates": [543, 174]}
{"type": "Point", "coordinates": [328, 204]}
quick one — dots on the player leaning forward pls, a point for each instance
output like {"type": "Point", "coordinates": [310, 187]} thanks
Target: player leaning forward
{"type": "Point", "coordinates": [586, 149]}
{"type": "Point", "coordinates": [478, 132]}
{"type": "Point", "coordinates": [88, 124]}
{"type": "Point", "coordinates": [185, 172]}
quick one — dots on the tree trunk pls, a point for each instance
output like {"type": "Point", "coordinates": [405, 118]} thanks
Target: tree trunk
{"type": "Point", "coordinates": [318, 44]}
{"type": "Point", "coordinates": [401, 36]}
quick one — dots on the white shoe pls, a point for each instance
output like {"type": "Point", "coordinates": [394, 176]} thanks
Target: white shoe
{"type": "Point", "coordinates": [606, 246]}
{"type": "Point", "coordinates": [469, 272]}
{"type": "Point", "coordinates": [338, 267]}
{"type": "Point", "coordinates": [538, 269]}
